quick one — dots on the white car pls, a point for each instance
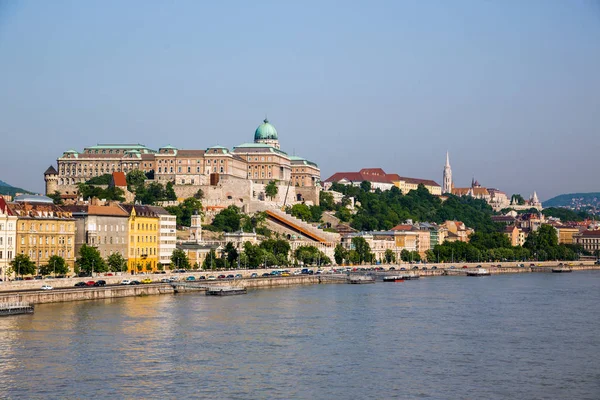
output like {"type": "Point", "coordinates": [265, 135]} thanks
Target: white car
{"type": "Point", "coordinates": [47, 287]}
{"type": "Point", "coordinates": [125, 282]}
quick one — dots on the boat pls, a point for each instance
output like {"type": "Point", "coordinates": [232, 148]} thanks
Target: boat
{"type": "Point", "coordinates": [225, 291]}
{"type": "Point", "coordinates": [561, 269]}
{"type": "Point", "coordinates": [15, 308]}
{"type": "Point", "coordinates": [478, 272]}
{"type": "Point", "coordinates": [360, 279]}
{"type": "Point", "coordinates": [393, 278]}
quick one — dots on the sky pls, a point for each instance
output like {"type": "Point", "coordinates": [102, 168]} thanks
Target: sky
{"type": "Point", "coordinates": [510, 88]}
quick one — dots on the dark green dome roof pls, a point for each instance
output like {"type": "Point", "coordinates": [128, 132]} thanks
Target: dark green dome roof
{"type": "Point", "coordinates": [265, 131]}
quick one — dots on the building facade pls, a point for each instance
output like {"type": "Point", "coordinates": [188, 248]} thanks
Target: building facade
{"type": "Point", "coordinates": [589, 240]}
{"type": "Point", "coordinates": [8, 237]}
{"type": "Point", "coordinates": [104, 227]}
{"type": "Point", "coordinates": [167, 236]}
{"type": "Point", "coordinates": [143, 238]}
{"type": "Point", "coordinates": [43, 230]}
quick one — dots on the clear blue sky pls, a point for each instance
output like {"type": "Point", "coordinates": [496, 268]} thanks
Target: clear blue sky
{"type": "Point", "coordinates": [510, 88]}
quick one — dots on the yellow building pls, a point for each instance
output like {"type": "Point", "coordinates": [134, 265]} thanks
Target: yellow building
{"type": "Point", "coordinates": [43, 230]}
{"type": "Point", "coordinates": [142, 251]}
{"type": "Point", "coordinates": [407, 184]}
{"type": "Point", "coordinates": [565, 234]}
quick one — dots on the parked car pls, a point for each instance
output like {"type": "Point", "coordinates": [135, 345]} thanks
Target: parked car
{"type": "Point", "coordinates": [238, 276]}
{"type": "Point", "coordinates": [125, 282]}
{"type": "Point", "coordinates": [134, 282]}
{"type": "Point", "coordinates": [90, 283]}
{"type": "Point", "coordinates": [221, 276]}
{"type": "Point", "coordinates": [100, 283]}
{"type": "Point", "coordinates": [165, 280]}
{"type": "Point", "coordinates": [146, 280]}
{"type": "Point", "coordinates": [230, 276]}
{"type": "Point", "coordinates": [464, 266]}
{"type": "Point", "coordinates": [47, 287]}
{"type": "Point", "coordinates": [266, 274]}
{"type": "Point", "coordinates": [434, 267]}
{"type": "Point", "coordinates": [424, 268]}
{"type": "Point", "coordinates": [597, 262]}
{"type": "Point", "coordinates": [393, 268]}
{"type": "Point", "coordinates": [80, 284]}
{"type": "Point", "coordinates": [415, 267]}
{"type": "Point", "coordinates": [201, 277]}
{"type": "Point", "coordinates": [254, 275]}
{"type": "Point", "coordinates": [401, 269]}
{"type": "Point", "coordinates": [452, 267]}
{"type": "Point", "coordinates": [212, 278]}
{"type": "Point", "coordinates": [190, 278]}
{"type": "Point", "coordinates": [173, 279]}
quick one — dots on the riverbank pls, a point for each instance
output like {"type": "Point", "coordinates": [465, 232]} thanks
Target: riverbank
{"type": "Point", "coordinates": [14, 294]}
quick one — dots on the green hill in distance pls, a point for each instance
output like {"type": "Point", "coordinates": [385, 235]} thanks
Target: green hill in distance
{"type": "Point", "coordinates": [10, 190]}
{"type": "Point", "coordinates": [575, 201]}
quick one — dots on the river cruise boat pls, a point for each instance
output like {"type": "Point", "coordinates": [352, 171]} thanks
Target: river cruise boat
{"type": "Point", "coordinates": [561, 270]}
{"type": "Point", "coordinates": [478, 272]}
{"type": "Point", "coordinates": [393, 278]}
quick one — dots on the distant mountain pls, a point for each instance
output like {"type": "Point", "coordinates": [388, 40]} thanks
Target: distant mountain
{"type": "Point", "coordinates": [5, 188]}
{"type": "Point", "coordinates": [575, 201]}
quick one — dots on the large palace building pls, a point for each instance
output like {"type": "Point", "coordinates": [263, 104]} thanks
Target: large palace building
{"type": "Point", "coordinates": [260, 162]}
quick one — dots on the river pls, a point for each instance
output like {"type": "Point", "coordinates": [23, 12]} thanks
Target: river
{"type": "Point", "coordinates": [522, 336]}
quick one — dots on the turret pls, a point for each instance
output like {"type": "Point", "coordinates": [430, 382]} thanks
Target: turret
{"type": "Point", "coordinates": [51, 178]}
{"type": "Point", "coordinates": [196, 228]}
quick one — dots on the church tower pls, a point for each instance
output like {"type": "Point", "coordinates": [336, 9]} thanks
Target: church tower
{"type": "Point", "coordinates": [51, 178]}
{"type": "Point", "coordinates": [196, 228]}
{"type": "Point", "coordinates": [447, 180]}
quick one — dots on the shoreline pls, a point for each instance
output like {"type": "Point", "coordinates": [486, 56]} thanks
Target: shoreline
{"type": "Point", "coordinates": [68, 294]}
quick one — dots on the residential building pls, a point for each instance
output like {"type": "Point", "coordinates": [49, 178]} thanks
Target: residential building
{"type": "Point", "coordinates": [457, 230]}
{"type": "Point", "coordinates": [142, 248]}
{"type": "Point", "coordinates": [566, 233]}
{"type": "Point", "coordinates": [167, 235]}
{"type": "Point", "coordinates": [103, 226]}
{"type": "Point", "coordinates": [589, 240]}
{"type": "Point", "coordinates": [379, 179]}
{"type": "Point", "coordinates": [8, 237]}
{"type": "Point", "coordinates": [43, 230]}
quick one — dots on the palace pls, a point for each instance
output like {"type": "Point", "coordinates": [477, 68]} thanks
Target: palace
{"type": "Point", "coordinates": [379, 179]}
{"type": "Point", "coordinates": [241, 172]}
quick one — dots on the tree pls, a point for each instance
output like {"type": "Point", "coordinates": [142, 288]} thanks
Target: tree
{"type": "Point", "coordinates": [56, 266]}
{"type": "Point", "coordinates": [301, 211]}
{"type": "Point", "coordinates": [199, 194]}
{"type": "Point", "coordinates": [326, 201]}
{"type": "Point", "coordinates": [228, 220]}
{"type": "Point", "coordinates": [56, 198]}
{"type": "Point", "coordinates": [115, 262]}
{"type": "Point", "coordinates": [279, 248]}
{"type": "Point", "coordinates": [271, 189]}
{"type": "Point", "coordinates": [340, 254]}
{"type": "Point", "coordinates": [231, 253]}
{"type": "Point", "coordinates": [517, 198]}
{"type": "Point", "coordinates": [365, 186]}
{"type": "Point", "coordinates": [104, 179]}
{"type": "Point", "coordinates": [389, 256]}
{"type": "Point", "coordinates": [179, 259]}
{"type": "Point", "coordinates": [90, 260]}
{"type": "Point", "coordinates": [405, 255]}
{"type": "Point", "coordinates": [170, 192]}
{"type": "Point", "coordinates": [135, 179]}
{"type": "Point", "coordinates": [362, 248]}
{"type": "Point", "coordinates": [22, 265]}
{"type": "Point", "coordinates": [311, 255]}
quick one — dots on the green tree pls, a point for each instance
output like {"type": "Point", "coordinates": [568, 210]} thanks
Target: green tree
{"type": "Point", "coordinates": [389, 256]}
{"type": "Point", "coordinates": [279, 248]}
{"type": "Point", "coordinates": [326, 201]}
{"type": "Point", "coordinates": [301, 211]}
{"type": "Point", "coordinates": [365, 186]}
{"type": "Point", "coordinates": [116, 262]}
{"type": "Point", "coordinates": [56, 266]}
{"type": "Point", "coordinates": [518, 199]}
{"type": "Point", "coordinates": [179, 260]}
{"type": "Point", "coordinates": [310, 255]}
{"type": "Point", "coordinates": [56, 198]}
{"type": "Point", "coordinates": [90, 260]}
{"type": "Point", "coordinates": [362, 248]}
{"type": "Point", "coordinates": [104, 179]}
{"type": "Point", "coordinates": [199, 194]}
{"type": "Point", "coordinates": [340, 254]}
{"type": "Point", "coordinates": [405, 255]}
{"type": "Point", "coordinates": [228, 220]}
{"type": "Point", "coordinates": [22, 265]}
{"type": "Point", "coordinates": [135, 179]}
{"type": "Point", "coordinates": [271, 189]}
{"type": "Point", "coordinates": [231, 254]}
{"type": "Point", "coordinates": [170, 192]}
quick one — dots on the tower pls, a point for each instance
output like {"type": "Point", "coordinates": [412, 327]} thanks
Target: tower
{"type": "Point", "coordinates": [196, 228]}
{"type": "Point", "coordinates": [51, 178]}
{"type": "Point", "coordinates": [447, 179]}
{"type": "Point", "coordinates": [266, 134]}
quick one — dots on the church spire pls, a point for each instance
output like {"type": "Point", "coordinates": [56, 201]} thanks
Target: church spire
{"type": "Point", "coordinates": [447, 160]}
{"type": "Point", "coordinates": [447, 177]}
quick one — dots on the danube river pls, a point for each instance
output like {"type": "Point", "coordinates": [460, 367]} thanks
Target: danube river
{"type": "Point", "coordinates": [522, 336]}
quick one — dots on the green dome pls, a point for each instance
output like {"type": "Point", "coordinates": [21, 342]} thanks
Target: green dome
{"type": "Point", "coordinates": [265, 131]}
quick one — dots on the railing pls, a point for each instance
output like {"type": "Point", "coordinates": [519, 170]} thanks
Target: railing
{"type": "Point", "coordinates": [289, 222]}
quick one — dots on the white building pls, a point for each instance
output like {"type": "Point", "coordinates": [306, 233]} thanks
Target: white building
{"type": "Point", "coordinates": [167, 235]}
{"type": "Point", "coordinates": [8, 237]}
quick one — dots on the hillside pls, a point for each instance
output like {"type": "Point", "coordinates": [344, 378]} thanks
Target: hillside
{"type": "Point", "coordinates": [575, 201]}
{"type": "Point", "coordinates": [5, 188]}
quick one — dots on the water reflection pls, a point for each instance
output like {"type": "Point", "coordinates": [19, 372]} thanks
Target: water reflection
{"type": "Point", "coordinates": [514, 336]}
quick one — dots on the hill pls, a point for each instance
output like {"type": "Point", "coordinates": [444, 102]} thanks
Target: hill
{"type": "Point", "coordinates": [575, 201]}
{"type": "Point", "coordinates": [8, 189]}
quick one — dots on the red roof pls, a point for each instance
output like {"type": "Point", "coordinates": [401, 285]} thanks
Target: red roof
{"type": "Point", "coordinates": [402, 228]}
{"type": "Point", "coordinates": [4, 207]}
{"type": "Point", "coordinates": [376, 175]}
{"type": "Point", "coordinates": [119, 179]}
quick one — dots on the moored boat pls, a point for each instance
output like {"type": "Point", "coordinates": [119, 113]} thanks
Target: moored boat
{"type": "Point", "coordinates": [394, 278]}
{"type": "Point", "coordinates": [561, 269]}
{"type": "Point", "coordinates": [478, 272]}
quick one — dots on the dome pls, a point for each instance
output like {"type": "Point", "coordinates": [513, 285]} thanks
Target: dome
{"type": "Point", "coordinates": [265, 131]}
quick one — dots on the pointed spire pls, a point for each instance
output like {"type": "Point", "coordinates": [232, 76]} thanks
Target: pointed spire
{"type": "Point", "coordinates": [447, 160]}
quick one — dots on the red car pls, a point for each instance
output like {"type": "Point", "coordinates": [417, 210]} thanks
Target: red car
{"type": "Point", "coordinates": [464, 266]}
{"type": "Point", "coordinates": [90, 283]}
{"type": "Point", "coordinates": [221, 277]}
